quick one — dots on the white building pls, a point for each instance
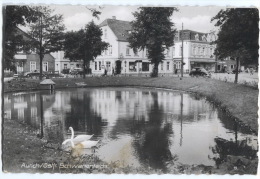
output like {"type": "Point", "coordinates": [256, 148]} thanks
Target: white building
{"type": "Point", "coordinates": [62, 63]}
{"type": "Point", "coordinates": [198, 51]}
{"type": "Point", "coordinates": [120, 57]}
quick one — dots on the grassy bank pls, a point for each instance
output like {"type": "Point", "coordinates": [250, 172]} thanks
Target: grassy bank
{"type": "Point", "coordinates": [239, 101]}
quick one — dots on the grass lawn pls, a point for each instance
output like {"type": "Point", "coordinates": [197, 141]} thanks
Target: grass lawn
{"type": "Point", "coordinates": [239, 100]}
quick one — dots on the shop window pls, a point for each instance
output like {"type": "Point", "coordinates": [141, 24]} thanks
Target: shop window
{"type": "Point", "coordinates": [178, 65]}
{"type": "Point", "coordinates": [65, 66]}
{"type": "Point", "coordinates": [145, 66]}
{"type": "Point", "coordinates": [132, 66]}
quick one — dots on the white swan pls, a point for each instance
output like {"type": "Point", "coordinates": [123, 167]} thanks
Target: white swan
{"type": "Point", "coordinates": [84, 145]}
{"type": "Point", "coordinates": [78, 139]}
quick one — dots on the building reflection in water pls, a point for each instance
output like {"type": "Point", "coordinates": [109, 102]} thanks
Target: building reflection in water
{"type": "Point", "coordinates": [140, 127]}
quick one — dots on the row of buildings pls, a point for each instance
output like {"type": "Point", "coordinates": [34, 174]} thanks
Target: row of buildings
{"type": "Point", "coordinates": [198, 51]}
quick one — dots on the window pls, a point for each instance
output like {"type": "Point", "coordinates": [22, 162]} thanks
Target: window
{"type": "Point", "coordinates": [20, 67]}
{"type": "Point", "coordinates": [161, 66]}
{"type": "Point", "coordinates": [95, 65]}
{"type": "Point", "coordinates": [194, 51]}
{"type": "Point", "coordinates": [203, 51]}
{"type": "Point", "coordinates": [33, 97]}
{"type": "Point", "coordinates": [128, 51]}
{"type": "Point", "coordinates": [145, 66]}
{"type": "Point", "coordinates": [146, 53]}
{"type": "Point", "coordinates": [110, 49]}
{"type": "Point", "coordinates": [132, 66]}
{"type": "Point", "coordinates": [108, 64]}
{"type": "Point", "coordinates": [136, 53]}
{"type": "Point", "coordinates": [231, 66]}
{"type": "Point", "coordinates": [99, 65]}
{"type": "Point", "coordinates": [20, 113]}
{"type": "Point", "coordinates": [45, 66]}
{"type": "Point", "coordinates": [32, 66]}
{"type": "Point", "coordinates": [20, 49]}
{"type": "Point", "coordinates": [178, 65]}
{"type": "Point", "coordinates": [173, 51]}
{"type": "Point", "coordinates": [105, 33]}
{"type": "Point", "coordinates": [180, 51]}
{"type": "Point", "coordinates": [168, 65]}
{"type": "Point", "coordinates": [65, 66]}
{"type": "Point", "coordinates": [168, 52]}
{"type": "Point", "coordinates": [198, 51]}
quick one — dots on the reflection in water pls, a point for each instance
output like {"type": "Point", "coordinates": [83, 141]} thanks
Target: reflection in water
{"type": "Point", "coordinates": [140, 127]}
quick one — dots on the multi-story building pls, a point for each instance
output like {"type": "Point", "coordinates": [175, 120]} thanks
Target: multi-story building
{"type": "Point", "coordinates": [62, 63]}
{"type": "Point", "coordinates": [119, 57]}
{"type": "Point", "coordinates": [27, 62]}
{"type": "Point", "coordinates": [197, 50]}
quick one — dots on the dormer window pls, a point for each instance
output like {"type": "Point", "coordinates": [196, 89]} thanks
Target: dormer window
{"type": "Point", "coordinates": [197, 37]}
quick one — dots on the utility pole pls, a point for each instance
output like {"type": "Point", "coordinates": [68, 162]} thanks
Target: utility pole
{"type": "Point", "coordinates": [182, 52]}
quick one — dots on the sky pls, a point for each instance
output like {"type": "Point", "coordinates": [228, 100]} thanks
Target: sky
{"type": "Point", "coordinates": [195, 18]}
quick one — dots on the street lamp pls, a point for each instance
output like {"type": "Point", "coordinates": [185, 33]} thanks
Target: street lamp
{"type": "Point", "coordinates": [125, 67]}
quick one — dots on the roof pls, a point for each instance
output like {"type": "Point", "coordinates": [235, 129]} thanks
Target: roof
{"type": "Point", "coordinates": [194, 35]}
{"type": "Point", "coordinates": [120, 28]}
{"type": "Point", "coordinates": [47, 82]}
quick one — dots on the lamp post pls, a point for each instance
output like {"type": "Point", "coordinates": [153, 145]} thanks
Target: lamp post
{"type": "Point", "coordinates": [182, 52]}
{"type": "Point", "coordinates": [125, 67]}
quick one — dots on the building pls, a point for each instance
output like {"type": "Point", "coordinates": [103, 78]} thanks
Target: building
{"type": "Point", "coordinates": [197, 52]}
{"type": "Point", "coordinates": [62, 63]}
{"type": "Point", "coordinates": [121, 59]}
{"type": "Point", "coordinates": [30, 61]}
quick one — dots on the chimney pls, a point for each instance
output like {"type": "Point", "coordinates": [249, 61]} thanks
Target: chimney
{"type": "Point", "coordinates": [114, 17]}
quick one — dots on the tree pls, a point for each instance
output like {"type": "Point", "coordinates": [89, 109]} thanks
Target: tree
{"type": "Point", "coordinates": [47, 32]}
{"type": "Point", "coordinates": [153, 30]}
{"type": "Point", "coordinates": [84, 44]}
{"type": "Point", "coordinates": [14, 16]}
{"type": "Point", "coordinates": [238, 35]}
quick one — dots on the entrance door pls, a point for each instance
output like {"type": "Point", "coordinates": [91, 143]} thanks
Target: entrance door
{"type": "Point", "coordinates": [118, 67]}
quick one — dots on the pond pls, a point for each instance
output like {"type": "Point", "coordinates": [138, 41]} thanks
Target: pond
{"type": "Point", "coordinates": [136, 127]}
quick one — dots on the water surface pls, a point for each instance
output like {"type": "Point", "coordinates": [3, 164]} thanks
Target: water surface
{"type": "Point", "coordinates": [139, 127]}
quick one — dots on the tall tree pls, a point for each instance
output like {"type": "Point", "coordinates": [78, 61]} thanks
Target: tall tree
{"type": "Point", "coordinates": [238, 35]}
{"type": "Point", "coordinates": [153, 30]}
{"type": "Point", "coordinates": [84, 44]}
{"type": "Point", "coordinates": [13, 17]}
{"type": "Point", "coordinates": [47, 32]}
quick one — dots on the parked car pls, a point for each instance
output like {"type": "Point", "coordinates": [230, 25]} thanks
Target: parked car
{"type": "Point", "coordinates": [199, 71]}
{"type": "Point", "coordinates": [33, 74]}
{"type": "Point", "coordinates": [234, 71]}
{"type": "Point", "coordinates": [76, 71]}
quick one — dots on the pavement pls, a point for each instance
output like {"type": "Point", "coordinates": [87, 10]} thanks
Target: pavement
{"type": "Point", "coordinates": [243, 78]}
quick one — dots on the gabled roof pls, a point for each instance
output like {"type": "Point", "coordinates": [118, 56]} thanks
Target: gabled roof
{"type": "Point", "coordinates": [192, 35]}
{"type": "Point", "coordinates": [120, 28]}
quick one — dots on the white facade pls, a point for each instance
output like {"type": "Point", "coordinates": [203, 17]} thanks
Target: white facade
{"type": "Point", "coordinates": [62, 63]}
{"type": "Point", "coordinates": [119, 54]}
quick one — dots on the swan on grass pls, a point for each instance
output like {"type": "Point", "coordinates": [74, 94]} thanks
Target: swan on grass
{"type": "Point", "coordinates": [78, 139]}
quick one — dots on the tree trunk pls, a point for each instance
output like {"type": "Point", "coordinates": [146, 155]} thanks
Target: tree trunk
{"type": "Point", "coordinates": [84, 68]}
{"type": "Point", "coordinates": [236, 74]}
{"type": "Point", "coordinates": [41, 58]}
{"type": "Point", "coordinates": [155, 70]}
